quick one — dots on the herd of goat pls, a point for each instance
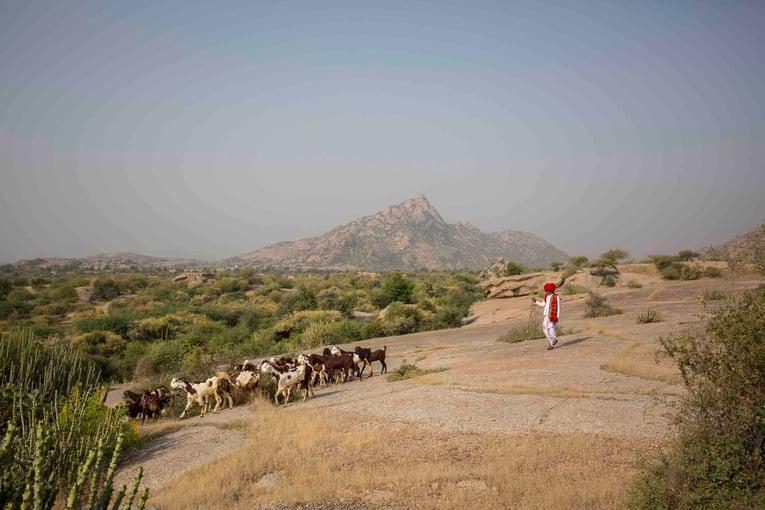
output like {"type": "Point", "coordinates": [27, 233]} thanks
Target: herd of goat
{"type": "Point", "coordinates": [302, 373]}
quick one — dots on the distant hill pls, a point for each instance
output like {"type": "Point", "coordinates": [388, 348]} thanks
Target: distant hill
{"type": "Point", "coordinates": [118, 261]}
{"type": "Point", "coordinates": [410, 235]}
{"type": "Point", "coordinates": [737, 247]}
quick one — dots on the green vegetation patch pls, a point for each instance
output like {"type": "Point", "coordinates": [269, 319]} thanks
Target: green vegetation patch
{"type": "Point", "coordinates": [409, 370]}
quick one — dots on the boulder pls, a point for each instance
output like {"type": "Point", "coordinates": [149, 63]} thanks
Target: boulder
{"type": "Point", "coordinates": [517, 285]}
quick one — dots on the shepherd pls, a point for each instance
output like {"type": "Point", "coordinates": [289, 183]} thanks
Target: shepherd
{"type": "Point", "coordinates": [551, 304]}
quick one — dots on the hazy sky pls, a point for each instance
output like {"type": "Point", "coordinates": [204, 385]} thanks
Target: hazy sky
{"type": "Point", "coordinates": [209, 129]}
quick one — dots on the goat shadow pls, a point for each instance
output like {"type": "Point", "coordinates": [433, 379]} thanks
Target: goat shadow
{"type": "Point", "coordinates": [573, 342]}
{"type": "Point", "coordinates": [324, 393]}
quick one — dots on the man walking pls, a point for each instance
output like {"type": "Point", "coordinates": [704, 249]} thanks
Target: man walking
{"type": "Point", "coordinates": [551, 304]}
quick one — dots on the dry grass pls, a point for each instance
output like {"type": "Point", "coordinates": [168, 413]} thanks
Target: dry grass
{"type": "Point", "coordinates": [627, 363]}
{"type": "Point", "coordinates": [297, 457]}
{"type": "Point", "coordinates": [633, 360]}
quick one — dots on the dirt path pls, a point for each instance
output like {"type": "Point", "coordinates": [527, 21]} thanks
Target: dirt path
{"type": "Point", "coordinates": [601, 379]}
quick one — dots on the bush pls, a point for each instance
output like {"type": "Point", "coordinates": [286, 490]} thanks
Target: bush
{"type": "Point", "coordinates": [115, 323]}
{"type": "Point", "coordinates": [105, 289]}
{"type": "Point", "coordinates": [345, 331]}
{"type": "Point", "coordinates": [718, 457]}
{"type": "Point", "coordinates": [714, 294]}
{"type": "Point", "coordinates": [514, 268]}
{"type": "Point", "coordinates": [570, 289]}
{"type": "Point", "coordinates": [662, 261]}
{"type": "Point", "coordinates": [691, 272]}
{"type": "Point", "coordinates": [303, 299]}
{"type": "Point", "coordinates": [597, 306]}
{"type": "Point", "coordinates": [316, 334]}
{"type": "Point", "coordinates": [161, 358]}
{"type": "Point", "coordinates": [406, 371]}
{"type": "Point", "coordinates": [712, 272]}
{"type": "Point", "coordinates": [569, 272]}
{"type": "Point", "coordinates": [672, 271]}
{"type": "Point", "coordinates": [397, 288]}
{"type": "Point", "coordinates": [608, 281]}
{"type": "Point", "coordinates": [521, 334]}
{"type": "Point", "coordinates": [401, 319]}
{"type": "Point", "coordinates": [647, 315]}
{"type": "Point", "coordinates": [53, 423]}
{"type": "Point", "coordinates": [634, 285]}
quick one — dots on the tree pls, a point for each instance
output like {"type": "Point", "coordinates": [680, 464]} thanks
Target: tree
{"type": "Point", "coordinates": [607, 260]}
{"type": "Point", "coordinates": [578, 261]}
{"type": "Point", "coordinates": [514, 268]}
{"type": "Point", "coordinates": [555, 266]}
{"type": "Point", "coordinates": [5, 287]}
{"type": "Point", "coordinates": [615, 255]}
{"type": "Point", "coordinates": [303, 299]}
{"type": "Point", "coordinates": [398, 288]}
{"type": "Point", "coordinates": [105, 289]}
{"type": "Point", "coordinates": [686, 255]}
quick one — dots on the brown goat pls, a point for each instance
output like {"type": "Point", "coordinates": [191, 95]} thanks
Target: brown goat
{"type": "Point", "coordinates": [379, 355]}
{"type": "Point", "coordinates": [344, 362]}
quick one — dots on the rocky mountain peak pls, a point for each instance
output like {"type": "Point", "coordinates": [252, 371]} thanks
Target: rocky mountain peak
{"type": "Point", "coordinates": [409, 235]}
{"type": "Point", "coordinates": [415, 211]}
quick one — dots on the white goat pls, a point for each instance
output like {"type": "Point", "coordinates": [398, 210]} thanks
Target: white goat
{"type": "Point", "coordinates": [197, 392]}
{"type": "Point", "coordinates": [290, 378]}
{"type": "Point", "coordinates": [247, 380]}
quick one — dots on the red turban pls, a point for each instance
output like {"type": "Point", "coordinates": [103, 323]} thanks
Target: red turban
{"type": "Point", "coordinates": [549, 287]}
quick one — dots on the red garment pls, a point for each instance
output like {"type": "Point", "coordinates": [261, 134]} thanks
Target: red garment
{"type": "Point", "coordinates": [553, 307]}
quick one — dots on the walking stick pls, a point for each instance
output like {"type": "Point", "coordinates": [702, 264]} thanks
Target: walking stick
{"type": "Point", "coordinates": [531, 313]}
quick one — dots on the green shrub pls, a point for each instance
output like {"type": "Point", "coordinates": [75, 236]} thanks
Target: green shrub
{"type": "Point", "coordinates": [20, 294]}
{"type": "Point", "coordinates": [569, 272]}
{"type": "Point", "coordinates": [303, 299]}
{"type": "Point", "coordinates": [316, 334]}
{"type": "Point", "coordinates": [63, 291]}
{"type": "Point", "coordinates": [514, 268]}
{"type": "Point", "coordinates": [401, 319]}
{"type": "Point", "coordinates": [662, 261]}
{"type": "Point", "coordinates": [397, 288]}
{"type": "Point", "coordinates": [298, 322]}
{"type": "Point", "coordinates": [521, 334]}
{"type": "Point", "coordinates": [161, 358]}
{"type": "Point", "coordinates": [597, 306]}
{"type": "Point", "coordinates": [647, 315]}
{"type": "Point", "coordinates": [672, 271]}
{"type": "Point", "coordinates": [52, 422]}
{"type": "Point", "coordinates": [105, 289]}
{"type": "Point", "coordinates": [345, 331]}
{"type": "Point", "coordinates": [14, 309]}
{"type": "Point", "coordinates": [447, 317]}
{"type": "Point", "coordinates": [634, 285]}
{"type": "Point", "coordinates": [607, 281]}
{"type": "Point", "coordinates": [718, 457]}
{"type": "Point", "coordinates": [372, 329]}
{"type": "Point", "coordinates": [691, 272]}
{"type": "Point", "coordinates": [712, 272]}
{"type": "Point", "coordinates": [5, 287]}
{"type": "Point", "coordinates": [115, 323]}
{"type": "Point", "coordinates": [570, 289]}
{"type": "Point", "coordinates": [406, 371]}
{"type": "Point", "coordinates": [714, 294]}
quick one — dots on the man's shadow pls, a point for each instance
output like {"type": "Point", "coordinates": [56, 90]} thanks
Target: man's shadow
{"type": "Point", "coordinates": [573, 342]}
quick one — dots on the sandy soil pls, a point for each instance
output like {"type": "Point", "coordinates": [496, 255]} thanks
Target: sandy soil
{"type": "Point", "coordinates": [484, 386]}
